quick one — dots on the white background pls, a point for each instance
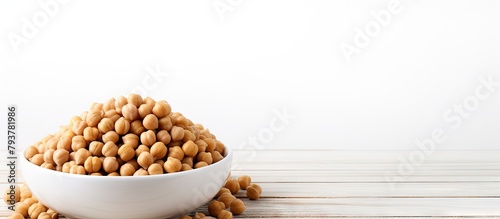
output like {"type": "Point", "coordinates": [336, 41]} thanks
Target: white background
{"type": "Point", "coordinates": [233, 74]}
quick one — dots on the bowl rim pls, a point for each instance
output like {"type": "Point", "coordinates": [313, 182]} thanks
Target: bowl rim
{"type": "Point", "coordinates": [227, 159]}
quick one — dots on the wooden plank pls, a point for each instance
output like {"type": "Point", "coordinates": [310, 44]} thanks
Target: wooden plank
{"type": "Point", "coordinates": [321, 166]}
{"type": "Point", "coordinates": [339, 176]}
{"type": "Point", "coordinates": [378, 190]}
{"type": "Point", "coordinates": [370, 207]}
{"type": "Point", "coordinates": [292, 156]}
{"type": "Point", "coordinates": [366, 207]}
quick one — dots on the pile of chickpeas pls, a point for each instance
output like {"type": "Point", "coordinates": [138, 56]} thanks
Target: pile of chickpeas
{"type": "Point", "coordinates": [223, 206]}
{"type": "Point", "coordinates": [27, 205]}
{"type": "Point", "coordinates": [225, 199]}
{"type": "Point", "coordinates": [131, 136]}
{"type": "Point", "coordinates": [128, 136]}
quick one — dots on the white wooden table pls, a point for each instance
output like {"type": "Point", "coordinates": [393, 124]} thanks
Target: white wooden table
{"type": "Point", "coordinates": [353, 184]}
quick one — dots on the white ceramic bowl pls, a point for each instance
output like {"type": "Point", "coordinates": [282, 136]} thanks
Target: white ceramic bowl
{"type": "Point", "coordinates": [100, 197]}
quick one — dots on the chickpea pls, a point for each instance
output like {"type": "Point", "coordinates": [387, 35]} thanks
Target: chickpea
{"type": "Point", "coordinates": [137, 128]}
{"type": "Point", "coordinates": [94, 117]}
{"type": "Point", "coordinates": [37, 159]}
{"type": "Point", "coordinates": [109, 105]}
{"type": "Point", "coordinates": [158, 150]}
{"type": "Point", "coordinates": [119, 103]}
{"type": "Point", "coordinates": [112, 114]}
{"type": "Point", "coordinates": [140, 149]}
{"type": "Point", "coordinates": [44, 215]}
{"type": "Point", "coordinates": [188, 161]}
{"type": "Point", "coordinates": [222, 191]}
{"type": "Point", "coordinates": [210, 144]}
{"type": "Point", "coordinates": [254, 191]}
{"type": "Point", "coordinates": [216, 156]}
{"type": "Point", "coordinates": [215, 207]}
{"type": "Point", "coordinates": [177, 133]}
{"type": "Point", "coordinates": [96, 106]}
{"type": "Point", "coordinates": [149, 101]}
{"type": "Point", "coordinates": [226, 199]}
{"type": "Point", "coordinates": [68, 133]}
{"type": "Point", "coordinates": [135, 99]}
{"type": "Point", "coordinates": [199, 216]}
{"type": "Point", "coordinates": [233, 185]}
{"type": "Point", "coordinates": [148, 138]}
{"type": "Point", "coordinates": [130, 112]}
{"type": "Point", "coordinates": [200, 164]}
{"type": "Point", "coordinates": [144, 110]}
{"type": "Point", "coordinates": [188, 136]}
{"type": "Point", "coordinates": [150, 122]}
{"type": "Point", "coordinates": [78, 142]}
{"type": "Point", "coordinates": [16, 215]}
{"type": "Point", "coordinates": [126, 152]}
{"type": "Point", "coordinates": [186, 167]}
{"type": "Point", "coordinates": [110, 164]}
{"type": "Point", "coordinates": [91, 133]}
{"type": "Point", "coordinates": [190, 149]}
{"type": "Point", "coordinates": [48, 166]}
{"type": "Point", "coordinates": [127, 169]}
{"type": "Point", "coordinates": [22, 208]}
{"type": "Point", "coordinates": [141, 172]}
{"type": "Point", "coordinates": [244, 181]}
{"type": "Point", "coordinates": [77, 169]}
{"type": "Point", "coordinates": [60, 156]}
{"type": "Point", "coordinates": [174, 143]}
{"type": "Point", "coordinates": [145, 159]}
{"type": "Point", "coordinates": [110, 136]}
{"type": "Point", "coordinates": [48, 156]}
{"type": "Point", "coordinates": [106, 125]}
{"type": "Point", "coordinates": [30, 201]}
{"type": "Point", "coordinates": [162, 109]}
{"type": "Point", "coordinates": [165, 123]}
{"type": "Point", "coordinates": [224, 214]}
{"type": "Point", "coordinates": [206, 157]}
{"type": "Point", "coordinates": [81, 155]}
{"type": "Point", "coordinates": [78, 127]}
{"type": "Point", "coordinates": [155, 168]}
{"type": "Point", "coordinates": [25, 195]}
{"type": "Point", "coordinates": [163, 136]}
{"type": "Point", "coordinates": [30, 152]}
{"type": "Point", "coordinates": [237, 206]}
{"type": "Point", "coordinates": [202, 145]}
{"type": "Point", "coordinates": [113, 174]}
{"type": "Point", "coordinates": [110, 149]}
{"type": "Point", "coordinates": [92, 164]}
{"type": "Point", "coordinates": [172, 165]}
{"type": "Point", "coordinates": [176, 152]}
{"type": "Point", "coordinates": [122, 126]}
{"type": "Point", "coordinates": [66, 167]}
{"type": "Point", "coordinates": [64, 143]}
{"type": "Point", "coordinates": [133, 163]}
{"type": "Point", "coordinates": [131, 139]}
{"type": "Point", "coordinates": [95, 148]}
{"type": "Point", "coordinates": [219, 146]}
{"type": "Point", "coordinates": [52, 143]}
